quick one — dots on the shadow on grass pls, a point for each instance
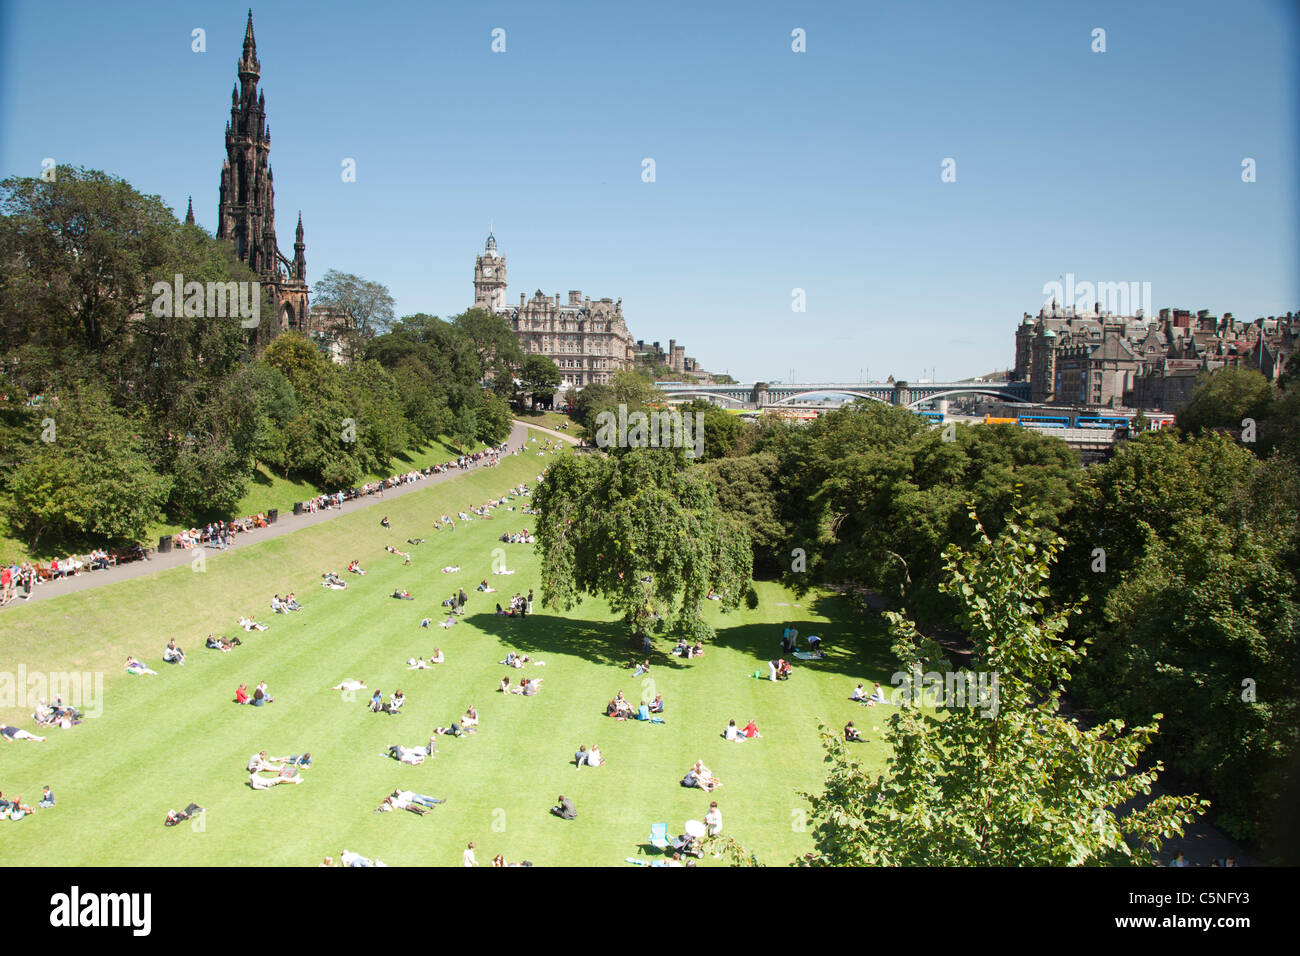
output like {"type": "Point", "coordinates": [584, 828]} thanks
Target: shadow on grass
{"type": "Point", "coordinates": [855, 645]}
{"type": "Point", "coordinates": [601, 642]}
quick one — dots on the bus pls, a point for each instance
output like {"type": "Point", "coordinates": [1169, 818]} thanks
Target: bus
{"type": "Point", "coordinates": [1044, 421]}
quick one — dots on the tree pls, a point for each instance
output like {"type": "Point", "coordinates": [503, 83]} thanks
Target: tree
{"type": "Point", "coordinates": [644, 532]}
{"type": "Point", "coordinates": [540, 378]}
{"type": "Point", "coordinates": [495, 344]}
{"type": "Point", "coordinates": [92, 478]}
{"type": "Point", "coordinates": [1011, 781]}
{"type": "Point", "coordinates": [368, 306]}
{"type": "Point", "coordinates": [1224, 398]}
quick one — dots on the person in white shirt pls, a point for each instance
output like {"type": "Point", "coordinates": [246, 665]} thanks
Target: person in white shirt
{"type": "Point", "coordinates": [733, 733]}
{"type": "Point", "coordinates": [713, 819]}
{"type": "Point", "coordinates": [594, 759]}
{"type": "Point", "coordinates": [467, 858]}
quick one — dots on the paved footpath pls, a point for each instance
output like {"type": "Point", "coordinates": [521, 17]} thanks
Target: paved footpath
{"type": "Point", "coordinates": [286, 524]}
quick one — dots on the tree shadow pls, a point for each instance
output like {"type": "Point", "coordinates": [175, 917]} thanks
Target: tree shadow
{"type": "Point", "coordinates": [856, 645]}
{"type": "Point", "coordinates": [602, 642]}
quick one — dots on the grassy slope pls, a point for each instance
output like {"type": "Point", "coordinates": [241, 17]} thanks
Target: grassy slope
{"type": "Point", "coordinates": [163, 741]}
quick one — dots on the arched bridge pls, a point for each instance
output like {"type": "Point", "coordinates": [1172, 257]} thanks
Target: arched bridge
{"type": "Point", "coordinates": [759, 395]}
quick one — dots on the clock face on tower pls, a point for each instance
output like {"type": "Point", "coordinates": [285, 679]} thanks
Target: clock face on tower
{"type": "Point", "coordinates": [488, 272]}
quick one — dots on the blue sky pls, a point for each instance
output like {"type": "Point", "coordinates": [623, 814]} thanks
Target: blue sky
{"type": "Point", "coordinates": [775, 170]}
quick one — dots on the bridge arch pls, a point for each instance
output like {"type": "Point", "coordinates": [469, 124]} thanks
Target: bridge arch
{"type": "Point", "coordinates": [997, 393]}
{"type": "Point", "coordinates": [694, 393]}
{"type": "Point", "coordinates": [788, 399]}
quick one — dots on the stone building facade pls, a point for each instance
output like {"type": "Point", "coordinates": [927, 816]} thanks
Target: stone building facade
{"type": "Point", "coordinates": [1081, 357]}
{"type": "Point", "coordinates": [587, 339]}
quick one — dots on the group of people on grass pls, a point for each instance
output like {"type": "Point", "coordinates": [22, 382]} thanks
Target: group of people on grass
{"type": "Point", "coordinates": [13, 809]}
{"type": "Point", "coordinates": [282, 769]}
{"type": "Point", "coordinates": [258, 698]}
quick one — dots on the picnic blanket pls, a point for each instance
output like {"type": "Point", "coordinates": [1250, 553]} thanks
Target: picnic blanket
{"type": "Point", "coordinates": [806, 656]}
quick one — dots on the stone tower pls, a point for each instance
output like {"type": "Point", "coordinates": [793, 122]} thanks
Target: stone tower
{"type": "Point", "coordinates": [490, 278]}
{"type": "Point", "coordinates": [246, 211]}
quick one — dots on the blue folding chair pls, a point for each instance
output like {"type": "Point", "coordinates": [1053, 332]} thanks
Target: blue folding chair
{"type": "Point", "coordinates": [659, 836]}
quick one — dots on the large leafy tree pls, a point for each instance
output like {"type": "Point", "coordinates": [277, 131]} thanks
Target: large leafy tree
{"type": "Point", "coordinates": [644, 532]}
{"type": "Point", "coordinates": [496, 346]}
{"type": "Point", "coordinates": [1015, 784]}
{"type": "Point", "coordinates": [367, 305]}
{"type": "Point", "coordinates": [1226, 397]}
{"type": "Point", "coordinates": [90, 475]}
{"type": "Point", "coordinates": [540, 377]}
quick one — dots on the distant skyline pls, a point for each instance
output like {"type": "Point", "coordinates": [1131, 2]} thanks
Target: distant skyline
{"type": "Point", "coordinates": [774, 170]}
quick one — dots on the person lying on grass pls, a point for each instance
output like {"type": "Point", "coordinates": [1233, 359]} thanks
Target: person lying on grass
{"type": "Point", "coordinates": [419, 663]}
{"type": "Point", "coordinates": [133, 666]}
{"type": "Point", "coordinates": [402, 595]}
{"type": "Point", "coordinates": [220, 643]}
{"type": "Point", "coordinates": [180, 816]}
{"type": "Point", "coordinates": [286, 775]}
{"type": "Point", "coordinates": [349, 685]}
{"type": "Point", "coordinates": [702, 777]}
{"type": "Point", "coordinates": [451, 569]}
{"type": "Point", "coordinates": [332, 581]}
{"type": "Point", "coordinates": [411, 755]}
{"type": "Point", "coordinates": [455, 730]}
{"type": "Point", "coordinates": [248, 624]}
{"type": "Point", "coordinates": [9, 733]}
{"type": "Point", "coordinates": [417, 803]}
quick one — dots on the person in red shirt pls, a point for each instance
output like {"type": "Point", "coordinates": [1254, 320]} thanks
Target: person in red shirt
{"type": "Point", "coordinates": [241, 694]}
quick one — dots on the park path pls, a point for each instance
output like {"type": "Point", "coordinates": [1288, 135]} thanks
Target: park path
{"type": "Point", "coordinates": [564, 436]}
{"type": "Point", "coordinates": [286, 524]}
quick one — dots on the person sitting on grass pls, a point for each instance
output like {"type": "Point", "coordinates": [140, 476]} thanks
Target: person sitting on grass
{"type": "Point", "coordinates": [859, 695]}
{"type": "Point", "coordinates": [260, 761]}
{"type": "Point", "coordinates": [642, 668]}
{"type": "Point", "coordinates": [241, 694]}
{"type": "Point", "coordinates": [394, 705]}
{"type": "Point", "coordinates": [437, 657]}
{"type": "Point", "coordinates": [532, 685]}
{"type": "Point", "coordinates": [851, 733]}
{"type": "Point", "coordinates": [564, 809]}
{"type": "Point", "coordinates": [47, 798]}
{"type": "Point", "coordinates": [732, 732]}
{"type": "Point", "coordinates": [505, 685]}
{"type": "Point", "coordinates": [471, 717]}
{"type": "Point", "coordinates": [277, 605]}
{"type": "Point", "coordinates": [260, 696]}
{"type": "Point", "coordinates": [401, 594]}
{"type": "Point", "coordinates": [751, 730]}
{"type": "Point", "coordinates": [702, 777]}
{"type": "Point", "coordinates": [483, 586]}
{"type": "Point", "coordinates": [291, 603]}
{"type": "Point", "coordinates": [173, 654]}
{"type": "Point", "coordinates": [355, 567]}
{"type": "Point", "coordinates": [594, 757]}
{"type": "Point", "coordinates": [877, 697]}
{"type": "Point", "coordinates": [133, 666]}
{"type": "Point", "coordinates": [657, 705]}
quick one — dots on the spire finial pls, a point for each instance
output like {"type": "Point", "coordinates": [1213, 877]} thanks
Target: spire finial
{"type": "Point", "coordinates": [189, 213]}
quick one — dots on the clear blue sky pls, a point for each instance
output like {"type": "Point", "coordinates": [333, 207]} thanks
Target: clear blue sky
{"type": "Point", "coordinates": [775, 170]}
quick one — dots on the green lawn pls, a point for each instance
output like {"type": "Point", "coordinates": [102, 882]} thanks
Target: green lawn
{"type": "Point", "coordinates": [164, 741]}
{"type": "Point", "coordinates": [551, 420]}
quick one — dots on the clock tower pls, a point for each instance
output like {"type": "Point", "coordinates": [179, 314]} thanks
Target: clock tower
{"type": "Point", "coordinates": [490, 278]}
